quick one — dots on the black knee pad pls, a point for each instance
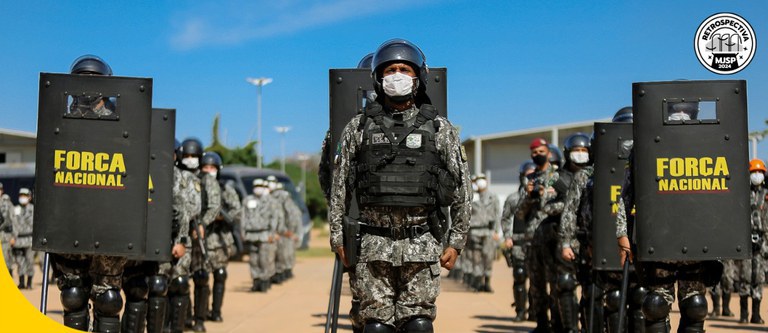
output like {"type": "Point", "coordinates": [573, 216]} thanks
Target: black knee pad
{"type": "Point", "coordinates": [593, 289]}
{"type": "Point", "coordinates": [638, 295]}
{"type": "Point", "coordinates": [135, 289]}
{"type": "Point", "coordinates": [108, 303]}
{"type": "Point", "coordinates": [655, 307]}
{"type": "Point", "coordinates": [220, 275]}
{"type": "Point", "coordinates": [418, 325]}
{"type": "Point", "coordinates": [566, 282]}
{"type": "Point", "coordinates": [694, 308]}
{"type": "Point", "coordinates": [200, 277]}
{"type": "Point", "coordinates": [74, 299]}
{"type": "Point", "coordinates": [158, 286]}
{"type": "Point", "coordinates": [519, 273]}
{"type": "Point", "coordinates": [377, 327]}
{"type": "Point", "coordinates": [179, 286]}
{"type": "Point", "coordinates": [613, 300]}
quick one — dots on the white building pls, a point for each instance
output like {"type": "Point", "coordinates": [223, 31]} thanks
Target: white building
{"type": "Point", "coordinates": [17, 146]}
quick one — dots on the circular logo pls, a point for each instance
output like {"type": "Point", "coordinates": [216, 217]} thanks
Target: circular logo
{"type": "Point", "coordinates": [725, 43]}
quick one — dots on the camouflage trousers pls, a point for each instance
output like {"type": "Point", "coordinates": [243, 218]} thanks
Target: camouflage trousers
{"type": "Point", "coordinates": [262, 260]}
{"type": "Point", "coordinates": [98, 273]}
{"type": "Point", "coordinates": [199, 261]}
{"type": "Point", "coordinates": [217, 258]}
{"type": "Point", "coordinates": [394, 294]}
{"type": "Point", "coordinates": [5, 238]}
{"type": "Point", "coordinates": [25, 261]}
{"type": "Point", "coordinates": [139, 270]}
{"type": "Point", "coordinates": [692, 278]}
{"type": "Point", "coordinates": [178, 266]}
{"type": "Point", "coordinates": [354, 311]}
{"type": "Point", "coordinates": [540, 262]}
{"type": "Point", "coordinates": [481, 251]}
{"type": "Point", "coordinates": [286, 253]}
{"type": "Point", "coordinates": [751, 276]}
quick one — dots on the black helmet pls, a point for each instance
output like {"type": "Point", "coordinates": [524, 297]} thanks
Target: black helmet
{"type": "Point", "coordinates": [555, 155]}
{"type": "Point", "coordinates": [365, 63]}
{"type": "Point", "coordinates": [527, 165]}
{"type": "Point", "coordinates": [191, 146]}
{"type": "Point", "coordinates": [90, 64]}
{"type": "Point", "coordinates": [576, 140]}
{"type": "Point", "coordinates": [399, 50]}
{"type": "Point", "coordinates": [211, 158]}
{"type": "Point", "coordinates": [624, 115]}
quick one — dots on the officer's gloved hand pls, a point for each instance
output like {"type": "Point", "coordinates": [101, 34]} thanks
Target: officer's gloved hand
{"type": "Point", "coordinates": [624, 249]}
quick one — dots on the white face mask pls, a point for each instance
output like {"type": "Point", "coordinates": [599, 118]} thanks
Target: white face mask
{"type": "Point", "coordinates": [482, 184]}
{"type": "Point", "coordinates": [679, 116]}
{"type": "Point", "coordinates": [191, 162]}
{"type": "Point", "coordinates": [579, 157]}
{"type": "Point", "coordinates": [260, 191]}
{"type": "Point", "coordinates": [214, 173]}
{"type": "Point", "coordinates": [474, 187]}
{"type": "Point", "coordinates": [397, 84]}
{"type": "Point", "coordinates": [756, 178]}
{"type": "Point", "coordinates": [23, 200]}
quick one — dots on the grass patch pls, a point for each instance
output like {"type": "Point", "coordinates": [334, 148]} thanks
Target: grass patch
{"type": "Point", "coordinates": [315, 252]}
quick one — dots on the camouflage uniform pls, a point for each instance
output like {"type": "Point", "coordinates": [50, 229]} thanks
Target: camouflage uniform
{"type": "Point", "coordinates": [751, 273]}
{"type": "Point", "coordinates": [218, 236]}
{"type": "Point", "coordinates": [6, 230]}
{"type": "Point", "coordinates": [539, 255]}
{"type": "Point", "coordinates": [286, 244]}
{"type": "Point", "coordinates": [211, 206]}
{"type": "Point", "coordinates": [481, 247]}
{"type": "Point", "coordinates": [261, 217]}
{"type": "Point", "coordinates": [399, 279]}
{"type": "Point", "coordinates": [517, 253]}
{"type": "Point", "coordinates": [659, 277]}
{"type": "Point", "coordinates": [23, 255]}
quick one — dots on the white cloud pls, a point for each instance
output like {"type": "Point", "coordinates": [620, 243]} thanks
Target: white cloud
{"type": "Point", "coordinates": [239, 21]}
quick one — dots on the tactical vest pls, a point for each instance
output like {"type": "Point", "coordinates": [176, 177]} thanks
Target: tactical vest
{"type": "Point", "coordinates": [398, 163]}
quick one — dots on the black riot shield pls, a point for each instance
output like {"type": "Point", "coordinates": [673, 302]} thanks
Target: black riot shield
{"type": "Point", "coordinates": [690, 170]}
{"type": "Point", "coordinates": [611, 148]}
{"type": "Point", "coordinates": [92, 166]}
{"type": "Point", "coordinates": [349, 89]}
{"type": "Point", "coordinates": [160, 212]}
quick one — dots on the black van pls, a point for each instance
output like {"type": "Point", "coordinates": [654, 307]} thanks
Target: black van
{"type": "Point", "coordinates": [15, 176]}
{"type": "Point", "coordinates": [243, 177]}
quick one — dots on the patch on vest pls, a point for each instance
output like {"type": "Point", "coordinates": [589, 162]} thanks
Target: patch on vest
{"type": "Point", "coordinates": [379, 138]}
{"type": "Point", "coordinates": [413, 140]}
{"type": "Point", "coordinates": [463, 154]}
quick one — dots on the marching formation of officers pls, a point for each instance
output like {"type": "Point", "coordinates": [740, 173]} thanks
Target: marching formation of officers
{"type": "Point", "coordinates": [208, 215]}
{"type": "Point", "coordinates": [16, 235]}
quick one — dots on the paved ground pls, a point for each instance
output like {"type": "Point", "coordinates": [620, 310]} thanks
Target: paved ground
{"type": "Point", "coordinates": [299, 305]}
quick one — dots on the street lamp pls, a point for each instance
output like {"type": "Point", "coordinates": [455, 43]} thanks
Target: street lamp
{"type": "Point", "coordinates": [303, 158]}
{"type": "Point", "coordinates": [259, 82]}
{"type": "Point", "coordinates": [282, 130]}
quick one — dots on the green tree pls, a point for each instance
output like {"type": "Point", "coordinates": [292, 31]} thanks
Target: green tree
{"type": "Point", "coordinates": [245, 155]}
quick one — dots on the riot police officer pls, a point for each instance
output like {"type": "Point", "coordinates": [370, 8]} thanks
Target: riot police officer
{"type": "Point", "coordinates": [99, 276]}
{"type": "Point", "coordinates": [219, 240]}
{"type": "Point", "coordinates": [393, 156]}
{"type": "Point", "coordinates": [751, 273]}
{"type": "Point", "coordinates": [23, 255]}
{"type": "Point", "coordinates": [261, 215]}
{"type": "Point", "coordinates": [483, 234]}
{"type": "Point", "coordinates": [514, 234]}
{"type": "Point", "coordinates": [6, 229]}
{"type": "Point", "coordinates": [288, 232]}
{"type": "Point", "coordinates": [192, 153]}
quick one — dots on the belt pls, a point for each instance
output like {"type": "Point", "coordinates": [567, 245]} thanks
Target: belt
{"type": "Point", "coordinates": [24, 235]}
{"type": "Point", "coordinates": [397, 233]}
{"type": "Point", "coordinates": [256, 230]}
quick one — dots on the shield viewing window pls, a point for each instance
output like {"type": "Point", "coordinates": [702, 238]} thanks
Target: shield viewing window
{"type": "Point", "coordinates": [700, 111]}
{"type": "Point", "coordinates": [92, 105]}
{"type": "Point", "coordinates": [624, 148]}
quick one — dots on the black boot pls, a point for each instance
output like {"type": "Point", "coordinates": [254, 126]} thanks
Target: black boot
{"type": "Point", "coordinates": [189, 319]}
{"type": "Point", "coordinates": [29, 282]}
{"type": "Point", "coordinates": [133, 317]}
{"type": "Point", "coordinates": [178, 315]}
{"type": "Point", "coordinates": [487, 285]}
{"type": "Point", "coordinates": [542, 324]}
{"type": "Point", "coordinates": [218, 300]}
{"type": "Point", "coordinates": [201, 307]}
{"type": "Point", "coordinates": [756, 319]}
{"type": "Point", "coordinates": [520, 301]}
{"type": "Point", "coordinates": [477, 283]}
{"type": "Point", "coordinates": [569, 315]}
{"type": "Point", "coordinates": [727, 304]}
{"type": "Point", "coordinates": [21, 282]}
{"type": "Point", "coordinates": [156, 314]}
{"type": "Point", "coordinates": [657, 327]}
{"type": "Point", "coordinates": [744, 314]}
{"type": "Point", "coordinates": [715, 304]}
{"type": "Point", "coordinates": [77, 320]}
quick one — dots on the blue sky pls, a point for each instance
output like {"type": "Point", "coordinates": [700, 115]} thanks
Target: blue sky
{"type": "Point", "coordinates": [512, 64]}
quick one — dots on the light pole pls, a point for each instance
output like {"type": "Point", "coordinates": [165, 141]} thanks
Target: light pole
{"type": "Point", "coordinates": [259, 82]}
{"type": "Point", "coordinates": [282, 130]}
{"type": "Point", "coordinates": [303, 158]}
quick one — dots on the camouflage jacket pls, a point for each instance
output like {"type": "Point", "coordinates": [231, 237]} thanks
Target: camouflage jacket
{"type": "Point", "coordinates": [6, 211]}
{"type": "Point", "coordinates": [484, 220]}
{"type": "Point", "coordinates": [535, 206]}
{"type": "Point", "coordinates": [424, 248]}
{"type": "Point", "coordinates": [212, 198]}
{"type": "Point", "coordinates": [230, 202]}
{"type": "Point", "coordinates": [572, 217]}
{"type": "Point", "coordinates": [508, 212]}
{"type": "Point", "coordinates": [759, 209]}
{"type": "Point", "coordinates": [626, 203]}
{"type": "Point", "coordinates": [22, 225]}
{"type": "Point", "coordinates": [186, 203]}
{"type": "Point", "coordinates": [261, 217]}
{"type": "Point", "coordinates": [291, 211]}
